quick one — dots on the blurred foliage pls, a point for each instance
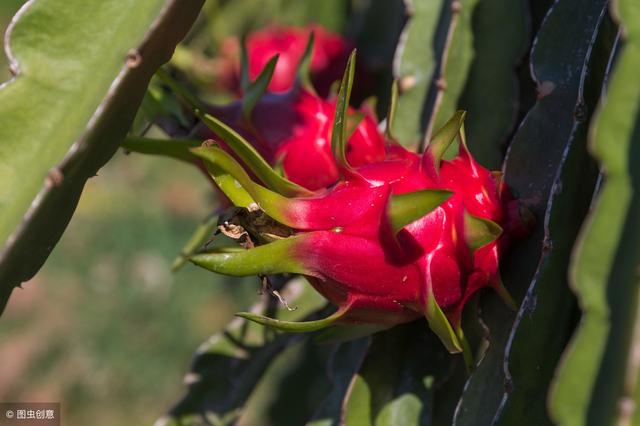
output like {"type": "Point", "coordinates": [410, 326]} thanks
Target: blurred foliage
{"type": "Point", "coordinates": [105, 328]}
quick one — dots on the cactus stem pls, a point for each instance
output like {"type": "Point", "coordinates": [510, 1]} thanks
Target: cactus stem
{"type": "Point", "coordinates": [456, 7]}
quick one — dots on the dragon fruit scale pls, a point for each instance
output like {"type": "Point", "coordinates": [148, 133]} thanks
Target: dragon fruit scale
{"type": "Point", "coordinates": [398, 238]}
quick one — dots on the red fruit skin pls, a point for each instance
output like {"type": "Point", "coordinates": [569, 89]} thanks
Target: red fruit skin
{"type": "Point", "coordinates": [357, 263]}
{"type": "Point", "coordinates": [330, 55]}
{"type": "Point", "coordinates": [294, 129]}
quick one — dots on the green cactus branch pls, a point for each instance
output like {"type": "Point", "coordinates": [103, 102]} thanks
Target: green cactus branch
{"type": "Point", "coordinates": [572, 193]}
{"type": "Point", "coordinates": [79, 77]}
{"type": "Point", "coordinates": [454, 64]}
{"type": "Point", "coordinates": [491, 93]}
{"type": "Point", "coordinates": [554, 61]}
{"type": "Point", "coordinates": [415, 68]}
{"type": "Point", "coordinates": [429, 93]}
{"type": "Point", "coordinates": [598, 375]}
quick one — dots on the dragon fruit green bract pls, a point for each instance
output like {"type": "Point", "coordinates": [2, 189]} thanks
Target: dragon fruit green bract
{"type": "Point", "coordinates": [396, 239]}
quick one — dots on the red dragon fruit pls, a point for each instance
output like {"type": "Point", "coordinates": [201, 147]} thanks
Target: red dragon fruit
{"type": "Point", "coordinates": [407, 236]}
{"type": "Point", "coordinates": [293, 129]}
{"type": "Point", "coordinates": [327, 62]}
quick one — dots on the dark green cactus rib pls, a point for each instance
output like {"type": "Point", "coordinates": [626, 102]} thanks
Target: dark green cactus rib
{"type": "Point", "coordinates": [535, 160]}
{"type": "Point", "coordinates": [570, 201]}
{"type": "Point", "coordinates": [416, 67]}
{"type": "Point", "coordinates": [597, 382]}
{"type": "Point", "coordinates": [490, 96]}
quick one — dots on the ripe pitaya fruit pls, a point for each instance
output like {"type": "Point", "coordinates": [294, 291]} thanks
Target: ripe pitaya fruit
{"type": "Point", "coordinates": [393, 240]}
{"type": "Point", "coordinates": [327, 62]}
{"type": "Point", "coordinates": [287, 129]}
{"type": "Point", "coordinates": [293, 130]}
